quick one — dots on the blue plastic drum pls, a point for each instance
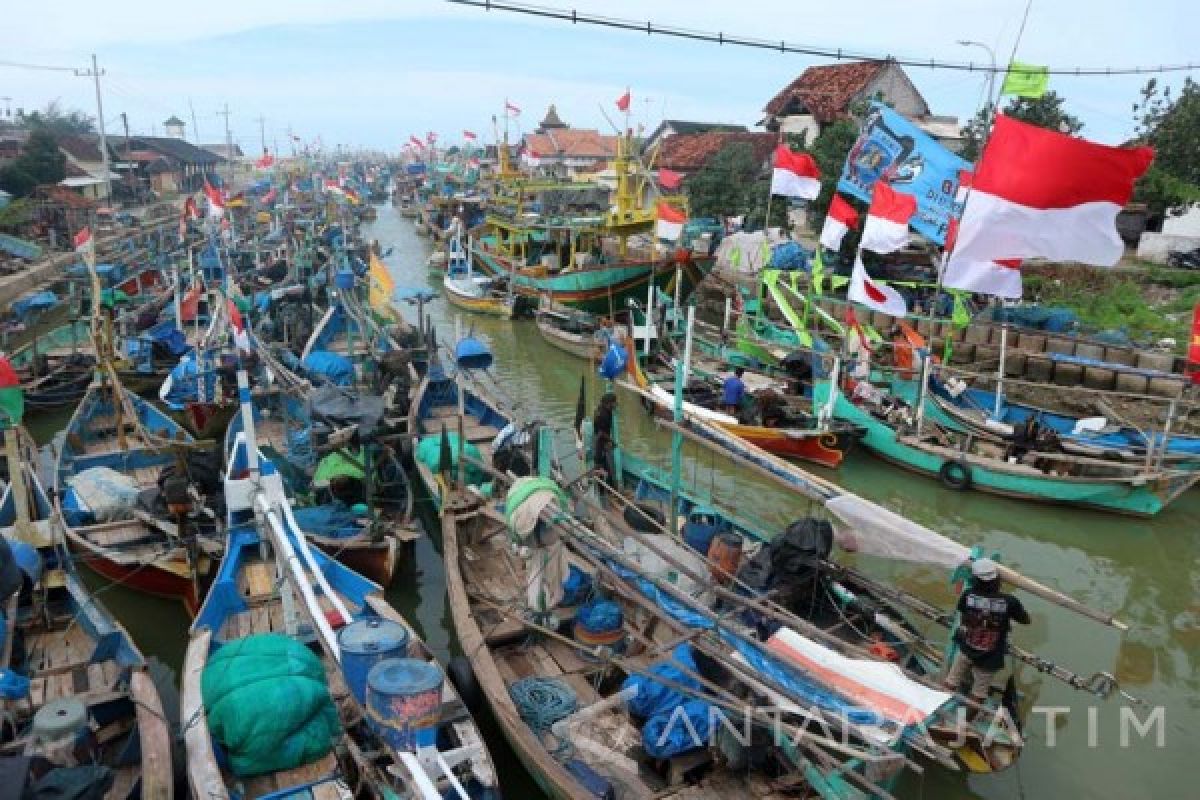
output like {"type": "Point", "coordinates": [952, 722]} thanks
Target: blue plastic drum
{"type": "Point", "coordinates": [404, 701]}
{"type": "Point", "coordinates": [364, 644]}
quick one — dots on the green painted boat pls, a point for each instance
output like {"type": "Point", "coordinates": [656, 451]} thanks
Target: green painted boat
{"type": "Point", "coordinates": [963, 461]}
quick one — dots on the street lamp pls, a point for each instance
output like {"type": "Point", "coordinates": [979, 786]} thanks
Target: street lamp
{"type": "Point", "coordinates": [991, 75]}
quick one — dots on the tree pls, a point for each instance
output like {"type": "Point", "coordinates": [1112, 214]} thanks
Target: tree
{"type": "Point", "coordinates": [724, 186]}
{"type": "Point", "coordinates": [1046, 111]}
{"type": "Point", "coordinates": [57, 121]}
{"type": "Point", "coordinates": [829, 150]}
{"type": "Point", "coordinates": [15, 215]}
{"type": "Point", "coordinates": [1172, 128]}
{"type": "Point", "coordinates": [40, 162]}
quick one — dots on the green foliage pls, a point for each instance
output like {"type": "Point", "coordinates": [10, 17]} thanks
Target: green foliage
{"type": "Point", "coordinates": [55, 120]}
{"type": "Point", "coordinates": [1172, 128]}
{"type": "Point", "coordinates": [1110, 300]}
{"type": "Point", "coordinates": [726, 184]}
{"type": "Point", "coordinates": [40, 162]}
{"type": "Point", "coordinates": [973, 134]}
{"type": "Point", "coordinates": [829, 150]}
{"type": "Point", "coordinates": [15, 215]}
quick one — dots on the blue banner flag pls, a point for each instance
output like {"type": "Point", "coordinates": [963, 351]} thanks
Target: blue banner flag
{"type": "Point", "coordinates": [893, 149]}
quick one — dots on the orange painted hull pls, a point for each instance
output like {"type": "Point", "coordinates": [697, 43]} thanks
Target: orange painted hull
{"type": "Point", "coordinates": [827, 449]}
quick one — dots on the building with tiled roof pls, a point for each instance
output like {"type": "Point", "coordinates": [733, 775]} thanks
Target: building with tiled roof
{"type": "Point", "coordinates": [674, 127]}
{"type": "Point", "coordinates": [689, 152]}
{"type": "Point", "coordinates": [827, 93]}
{"type": "Point", "coordinates": [568, 150]}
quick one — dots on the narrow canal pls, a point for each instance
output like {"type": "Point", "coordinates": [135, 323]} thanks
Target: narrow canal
{"type": "Point", "coordinates": [1145, 571]}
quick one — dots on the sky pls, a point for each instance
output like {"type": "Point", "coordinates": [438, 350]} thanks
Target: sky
{"type": "Point", "coordinates": [370, 73]}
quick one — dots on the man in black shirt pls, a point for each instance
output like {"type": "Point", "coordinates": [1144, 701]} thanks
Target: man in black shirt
{"type": "Point", "coordinates": [986, 614]}
{"type": "Point", "coordinates": [602, 441]}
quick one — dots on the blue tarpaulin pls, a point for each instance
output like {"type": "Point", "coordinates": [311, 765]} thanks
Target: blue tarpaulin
{"type": "Point", "coordinates": [168, 337]}
{"type": "Point", "coordinates": [337, 369]}
{"type": "Point", "coordinates": [183, 384]}
{"type": "Point", "coordinates": [653, 697]}
{"type": "Point", "coordinates": [33, 303]}
{"type": "Point", "coordinates": [334, 520]}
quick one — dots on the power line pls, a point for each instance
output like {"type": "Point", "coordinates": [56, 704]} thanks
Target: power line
{"type": "Point", "coordinates": [837, 53]}
{"type": "Point", "coordinates": [44, 67]}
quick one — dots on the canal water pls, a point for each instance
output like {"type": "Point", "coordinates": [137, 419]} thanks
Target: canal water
{"type": "Point", "coordinates": [1146, 572]}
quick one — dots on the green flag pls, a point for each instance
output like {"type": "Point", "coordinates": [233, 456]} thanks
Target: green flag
{"type": "Point", "coordinates": [961, 317]}
{"type": "Point", "coordinates": [818, 271]}
{"type": "Point", "coordinates": [1026, 80]}
{"type": "Point", "coordinates": [735, 257]}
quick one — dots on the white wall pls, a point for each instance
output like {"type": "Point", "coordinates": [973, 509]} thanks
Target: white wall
{"type": "Point", "coordinates": [897, 89]}
{"type": "Point", "coordinates": [1187, 224]}
{"type": "Point", "coordinates": [801, 123]}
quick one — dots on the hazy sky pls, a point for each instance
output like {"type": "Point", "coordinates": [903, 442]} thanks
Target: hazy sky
{"type": "Point", "coordinates": [371, 72]}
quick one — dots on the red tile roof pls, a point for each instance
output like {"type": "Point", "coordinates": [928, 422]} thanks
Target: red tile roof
{"type": "Point", "coordinates": [81, 148]}
{"type": "Point", "coordinates": [688, 152]}
{"type": "Point", "coordinates": [571, 142]}
{"type": "Point", "coordinates": [826, 91]}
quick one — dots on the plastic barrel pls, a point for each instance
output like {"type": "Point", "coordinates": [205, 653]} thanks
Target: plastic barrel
{"type": "Point", "coordinates": [364, 644]}
{"type": "Point", "coordinates": [343, 279]}
{"type": "Point", "coordinates": [404, 700]}
{"type": "Point", "coordinates": [725, 556]}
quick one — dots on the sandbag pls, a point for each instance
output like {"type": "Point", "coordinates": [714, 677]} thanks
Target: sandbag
{"type": "Point", "coordinates": [268, 705]}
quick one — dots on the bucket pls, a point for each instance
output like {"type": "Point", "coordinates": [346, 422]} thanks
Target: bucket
{"type": "Point", "coordinates": [364, 644]}
{"type": "Point", "coordinates": [701, 527]}
{"type": "Point", "coordinates": [404, 700]}
{"type": "Point", "coordinates": [725, 556]}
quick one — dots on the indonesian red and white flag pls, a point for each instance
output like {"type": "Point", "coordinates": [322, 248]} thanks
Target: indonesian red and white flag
{"type": "Point", "coordinates": [266, 161]}
{"type": "Point", "coordinates": [431, 137]}
{"type": "Point", "coordinates": [1043, 194]}
{"type": "Point", "coordinates": [216, 202]}
{"type": "Point", "coordinates": [83, 240]}
{"type": "Point", "coordinates": [623, 101]}
{"type": "Point", "coordinates": [878, 296]}
{"type": "Point", "coordinates": [510, 107]}
{"type": "Point", "coordinates": [473, 163]}
{"type": "Point", "coordinates": [1000, 278]}
{"type": "Point", "coordinates": [189, 209]}
{"type": "Point", "coordinates": [795, 174]}
{"type": "Point", "coordinates": [270, 196]}
{"type": "Point", "coordinates": [417, 143]}
{"type": "Point", "coordinates": [189, 305]}
{"type": "Point", "coordinates": [886, 229]}
{"type": "Point", "coordinates": [840, 219]}
{"type": "Point", "coordinates": [469, 136]}
{"type": "Point", "coordinates": [241, 337]}
{"type": "Point", "coordinates": [670, 222]}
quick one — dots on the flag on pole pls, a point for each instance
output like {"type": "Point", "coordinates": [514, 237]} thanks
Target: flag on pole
{"type": "Point", "coordinates": [1002, 277]}
{"type": "Point", "coordinates": [878, 296]}
{"type": "Point", "coordinates": [795, 174]}
{"type": "Point", "coordinates": [417, 143]}
{"type": "Point", "coordinates": [381, 283]}
{"type": "Point", "coordinates": [431, 137]}
{"type": "Point", "coordinates": [189, 209]}
{"type": "Point", "coordinates": [509, 107]}
{"type": "Point", "coordinates": [241, 336]}
{"type": "Point", "coordinates": [669, 179]}
{"type": "Point", "coordinates": [216, 203]}
{"type": "Point", "coordinates": [189, 305]}
{"type": "Point", "coordinates": [1038, 193]}
{"type": "Point", "coordinates": [469, 136]}
{"type": "Point", "coordinates": [886, 229]}
{"type": "Point", "coordinates": [840, 218]}
{"type": "Point", "coordinates": [83, 240]}
{"type": "Point", "coordinates": [670, 222]}
{"type": "Point", "coordinates": [1194, 346]}
{"type": "Point", "coordinates": [623, 101]}
{"type": "Point", "coordinates": [12, 397]}
{"type": "Point", "coordinates": [1026, 80]}
{"type": "Point", "coordinates": [267, 160]}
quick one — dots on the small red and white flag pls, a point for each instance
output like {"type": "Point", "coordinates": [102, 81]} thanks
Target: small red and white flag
{"type": "Point", "coordinates": [878, 296]}
{"type": "Point", "coordinates": [83, 240]}
{"type": "Point", "coordinates": [623, 101]}
{"type": "Point", "coordinates": [1000, 278]}
{"type": "Point", "coordinates": [270, 196]}
{"type": "Point", "coordinates": [1042, 194]}
{"type": "Point", "coordinates": [670, 222]}
{"type": "Point", "coordinates": [415, 142]}
{"type": "Point", "coordinates": [216, 202]}
{"type": "Point", "coordinates": [840, 219]}
{"type": "Point", "coordinates": [241, 337]}
{"type": "Point", "coordinates": [266, 161]}
{"type": "Point", "coordinates": [469, 136]}
{"type": "Point", "coordinates": [473, 163]}
{"type": "Point", "coordinates": [510, 107]}
{"type": "Point", "coordinates": [431, 137]}
{"type": "Point", "coordinates": [886, 229]}
{"type": "Point", "coordinates": [670, 179]}
{"type": "Point", "coordinates": [189, 209]}
{"type": "Point", "coordinates": [795, 174]}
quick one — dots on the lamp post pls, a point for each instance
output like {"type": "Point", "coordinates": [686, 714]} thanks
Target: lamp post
{"type": "Point", "coordinates": [991, 75]}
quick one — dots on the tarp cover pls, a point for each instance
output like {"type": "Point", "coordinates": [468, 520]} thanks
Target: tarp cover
{"type": "Point", "coordinates": [347, 408]}
{"type": "Point", "coordinates": [108, 494]}
{"type": "Point", "coordinates": [335, 368]}
{"type": "Point", "coordinates": [652, 697]}
{"type": "Point", "coordinates": [333, 520]}
{"type": "Point", "coordinates": [429, 451]}
{"type": "Point", "coordinates": [268, 705]}
{"type": "Point", "coordinates": [169, 338]}
{"type": "Point", "coordinates": [338, 464]}
{"type": "Point", "coordinates": [35, 301]}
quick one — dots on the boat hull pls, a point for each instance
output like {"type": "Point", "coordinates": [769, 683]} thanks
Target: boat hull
{"type": "Point", "coordinates": [827, 448]}
{"type": "Point", "coordinates": [491, 306]}
{"type": "Point", "coordinates": [585, 347]}
{"type": "Point", "coordinates": [160, 581]}
{"type": "Point", "coordinates": [375, 561]}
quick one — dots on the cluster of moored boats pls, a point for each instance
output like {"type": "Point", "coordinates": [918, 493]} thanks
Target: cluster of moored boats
{"type": "Point", "coordinates": [630, 634]}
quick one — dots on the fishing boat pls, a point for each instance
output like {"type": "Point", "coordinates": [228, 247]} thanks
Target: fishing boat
{"type": "Point", "coordinates": [86, 695]}
{"type": "Point", "coordinates": [117, 450]}
{"type": "Point", "coordinates": [975, 409]}
{"type": "Point", "coordinates": [56, 366]}
{"type": "Point", "coordinates": [967, 461]}
{"type": "Point", "coordinates": [586, 336]}
{"type": "Point", "coordinates": [359, 707]}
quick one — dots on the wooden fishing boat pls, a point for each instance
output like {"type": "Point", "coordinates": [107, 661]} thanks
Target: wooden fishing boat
{"type": "Point", "coordinates": [117, 446]}
{"type": "Point", "coordinates": [479, 295]}
{"type": "Point", "coordinates": [274, 592]}
{"type": "Point", "coordinates": [56, 366]}
{"type": "Point", "coordinates": [89, 696]}
{"type": "Point", "coordinates": [967, 461]}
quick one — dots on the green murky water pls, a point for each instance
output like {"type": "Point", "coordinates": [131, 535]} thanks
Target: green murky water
{"type": "Point", "coordinates": [1146, 571]}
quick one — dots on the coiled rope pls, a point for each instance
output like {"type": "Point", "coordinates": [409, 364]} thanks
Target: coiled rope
{"type": "Point", "coordinates": [541, 702]}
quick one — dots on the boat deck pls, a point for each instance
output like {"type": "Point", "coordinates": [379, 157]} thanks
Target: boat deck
{"type": "Point", "coordinates": [476, 433]}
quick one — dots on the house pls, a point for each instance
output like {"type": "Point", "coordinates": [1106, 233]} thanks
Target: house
{"type": "Point", "coordinates": [825, 94]}
{"type": "Point", "coordinates": [673, 127]}
{"type": "Point", "coordinates": [85, 166]}
{"type": "Point", "coordinates": [169, 164]}
{"type": "Point", "coordinates": [556, 147]}
{"type": "Point", "coordinates": [689, 152]}
{"type": "Point", "coordinates": [223, 151]}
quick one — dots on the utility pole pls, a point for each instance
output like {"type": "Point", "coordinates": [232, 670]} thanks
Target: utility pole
{"type": "Point", "coordinates": [228, 143]}
{"type": "Point", "coordinates": [262, 130]}
{"type": "Point", "coordinates": [95, 73]}
{"type": "Point", "coordinates": [195, 127]}
{"type": "Point", "coordinates": [292, 140]}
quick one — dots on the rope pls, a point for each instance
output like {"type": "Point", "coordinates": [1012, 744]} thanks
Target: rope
{"type": "Point", "coordinates": [542, 702]}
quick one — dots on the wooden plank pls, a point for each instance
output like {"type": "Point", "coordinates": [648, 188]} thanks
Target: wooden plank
{"type": "Point", "coordinates": [96, 678]}
{"type": "Point", "coordinates": [259, 579]}
{"type": "Point", "coordinates": [275, 616]}
{"type": "Point", "coordinates": [260, 620]}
